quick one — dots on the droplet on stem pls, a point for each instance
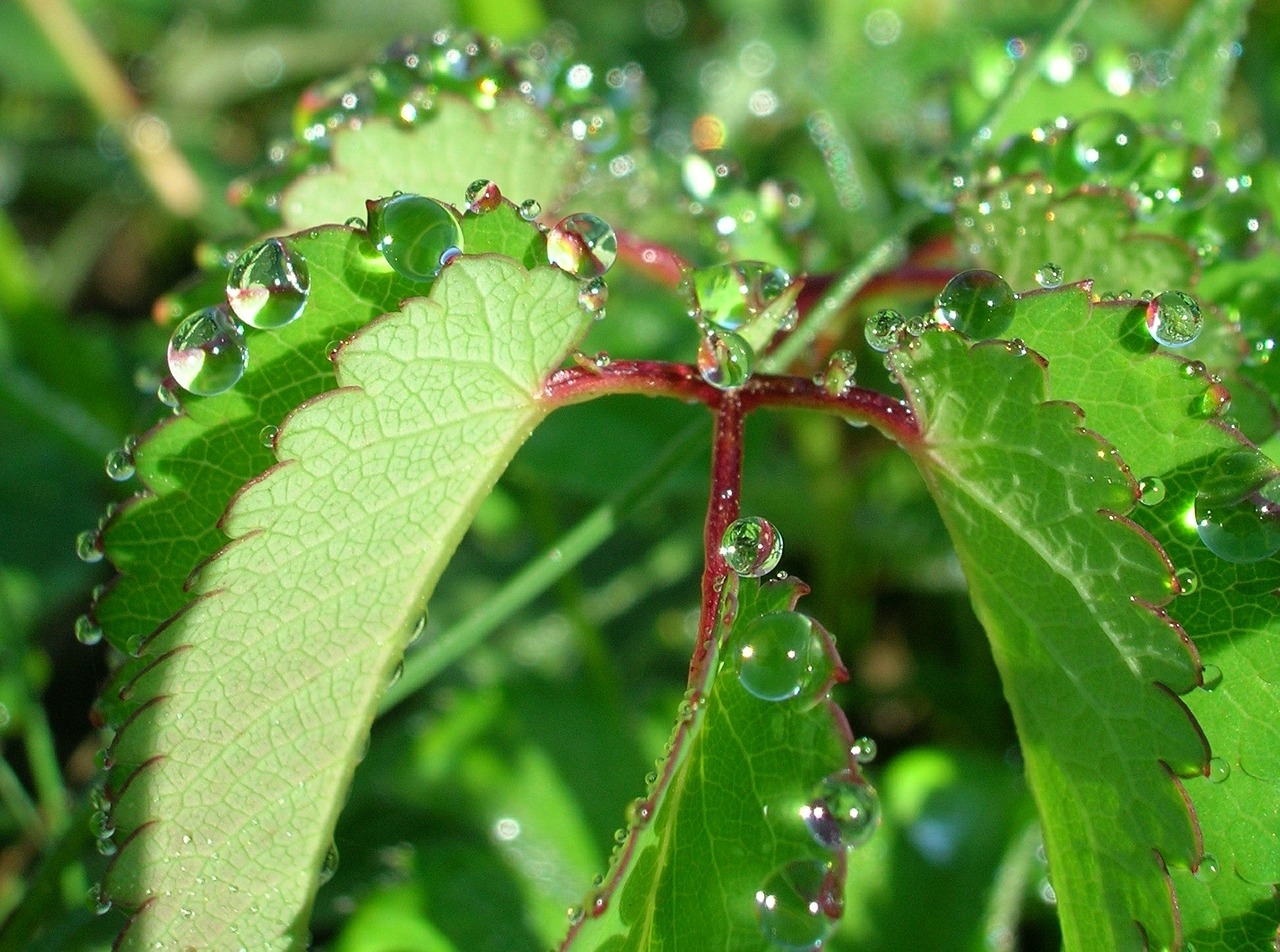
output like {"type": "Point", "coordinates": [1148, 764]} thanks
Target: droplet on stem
{"type": "Point", "coordinates": [751, 546]}
{"type": "Point", "coordinates": [725, 360]}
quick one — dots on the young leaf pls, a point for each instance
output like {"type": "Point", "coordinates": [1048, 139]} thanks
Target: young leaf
{"type": "Point", "coordinates": [1227, 608]}
{"type": "Point", "coordinates": [725, 823]}
{"type": "Point", "coordinates": [1067, 589]}
{"type": "Point", "coordinates": [514, 145]}
{"type": "Point", "coordinates": [254, 702]}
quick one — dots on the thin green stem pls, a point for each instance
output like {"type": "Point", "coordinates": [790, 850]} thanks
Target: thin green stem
{"type": "Point", "coordinates": [42, 756]}
{"type": "Point", "coordinates": [423, 665]}
{"type": "Point", "coordinates": [18, 802]}
{"type": "Point", "coordinates": [1005, 905]}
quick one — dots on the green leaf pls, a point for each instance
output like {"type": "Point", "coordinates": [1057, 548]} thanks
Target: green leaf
{"type": "Point", "coordinates": [726, 812]}
{"type": "Point", "coordinates": [1066, 588]}
{"type": "Point", "coordinates": [514, 145]}
{"type": "Point", "coordinates": [254, 701]}
{"type": "Point", "coordinates": [1096, 353]}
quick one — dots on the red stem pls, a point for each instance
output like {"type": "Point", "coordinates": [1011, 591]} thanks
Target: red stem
{"type": "Point", "coordinates": [654, 260]}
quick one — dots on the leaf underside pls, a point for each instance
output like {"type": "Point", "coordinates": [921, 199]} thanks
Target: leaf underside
{"type": "Point", "coordinates": [1067, 589]}
{"type": "Point", "coordinates": [252, 704]}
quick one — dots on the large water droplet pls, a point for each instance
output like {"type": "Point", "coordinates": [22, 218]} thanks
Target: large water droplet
{"type": "Point", "coordinates": [1238, 507]}
{"type": "Point", "coordinates": [775, 655]}
{"type": "Point", "coordinates": [725, 360]}
{"type": "Point", "coordinates": [838, 377]}
{"type": "Point", "coordinates": [582, 245]}
{"type": "Point", "coordinates": [1177, 174]}
{"type": "Point", "coordinates": [979, 304]}
{"type": "Point", "coordinates": [268, 285]}
{"type": "Point", "coordinates": [1173, 319]}
{"type": "Point", "coordinates": [790, 906]}
{"type": "Point", "coordinates": [729, 295]}
{"type": "Point", "coordinates": [417, 235]}
{"type": "Point", "coordinates": [751, 546]}
{"type": "Point", "coordinates": [884, 329]}
{"type": "Point", "coordinates": [842, 812]}
{"type": "Point", "coordinates": [1151, 490]}
{"type": "Point", "coordinates": [207, 354]}
{"type": "Point", "coordinates": [1106, 144]}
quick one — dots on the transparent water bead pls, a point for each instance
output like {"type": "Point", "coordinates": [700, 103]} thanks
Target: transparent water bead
{"type": "Point", "coordinates": [775, 656]}
{"type": "Point", "coordinates": [417, 235]}
{"type": "Point", "coordinates": [838, 376]}
{"type": "Point", "coordinates": [842, 812]}
{"type": "Point", "coordinates": [1237, 508]}
{"type": "Point", "coordinates": [330, 864]}
{"type": "Point", "coordinates": [1210, 677]}
{"type": "Point", "coordinates": [1173, 319]}
{"type": "Point", "coordinates": [593, 295]}
{"type": "Point", "coordinates": [207, 354]}
{"type": "Point", "coordinates": [725, 360]}
{"type": "Point", "coordinates": [268, 285]}
{"type": "Point", "coordinates": [730, 295]}
{"type": "Point", "coordinates": [483, 196]}
{"type": "Point", "coordinates": [751, 546]}
{"type": "Point", "coordinates": [979, 304]}
{"type": "Point", "coordinates": [1049, 275]}
{"type": "Point", "coordinates": [1151, 490]}
{"type": "Point", "coordinates": [530, 209]}
{"type": "Point", "coordinates": [582, 245]}
{"type": "Point", "coordinates": [89, 546]}
{"type": "Point", "coordinates": [791, 906]}
{"type": "Point", "coordinates": [1219, 769]}
{"type": "Point", "coordinates": [1106, 143]}
{"type": "Point", "coordinates": [88, 632]}
{"type": "Point", "coordinates": [884, 329]}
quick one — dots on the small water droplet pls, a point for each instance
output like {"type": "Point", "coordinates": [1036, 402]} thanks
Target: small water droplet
{"type": "Point", "coordinates": [1187, 581]}
{"type": "Point", "coordinates": [100, 824]}
{"type": "Point", "coordinates": [751, 546]}
{"type": "Point", "coordinates": [725, 360]}
{"type": "Point", "coordinates": [97, 901]}
{"type": "Point", "coordinates": [88, 632]}
{"type": "Point", "coordinates": [415, 234]}
{"type": "Point", "coordinates": [168, 397]}
{"type": "Point", "coordinates": [89, 546]}
{"type": "Point", "coordinates": [1208, 869]}
{"type": "Point", "coordinates": [483, 196]}
{"type": "Point", "coordinates": [1237, 508]}
{"type": "Point", "coordinates": [419, 627]}
{"type": "Point", "coordinates": [1106, 144]}
{"type": "Point", "coordinates": [135, 644]}
{"type": "Point", "coordinates": [775, 655]}
{"type": "Point", "coordinates": [530, 209]}
{"type": "Point", "coordinates": [790, 906]}
{"type": "Point", "coordinates": [119, 464]}
{"type": "Point", "coordinates": [1210, 677]}
{"type": "Point", "coordinates": [593, 125]}
{"type": "Point", "coordinates": [396, 673]}
{"type": "Point", "coordinates": [1173, 319]}
{"type": "Point", "coordinates": [575, 915]}
{"type": "Point", "coordinates": [1151, 490]}
{"type": "Point", "coordinates": [1048, 275]}
{"type": "Point", "coordinates": [842, 812]}
{"type": "Point", "coordinates": [593, 295]}
{"type": "Point", "coordinates": [864, 750]}
{"type": "Point", "coordinates": [639, 812]}
{"type": "Point", "coordinates": [207, 354]}
{"type": "Point", "coordinates": [106, 846]}
{"type": "Point", "coordinates": [787, 204]}
{"type": "Point", "coordinates": [267, 436]}
{"type": "Point", "coordinates": [979, 304]}
{"type": "Point", "coordinates": [1219, 769]}
{"type": "Point", "coordinates": [838, 376]}
{"type": "Point", "coordinates": [884, 329]}
{"type": "Point", "coordinates": [582, 245]}
{"type": "Point", "coordinates": [356, 222]}
{"type": "Point", "coordinates": [268, 285]}
{"type": "Point", "coordinates": [1214, 401]}
{"type": "Point", "coordinates": [329, 866]}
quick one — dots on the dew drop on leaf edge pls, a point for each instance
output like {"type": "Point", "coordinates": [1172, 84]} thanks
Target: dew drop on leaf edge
{"type": "Point", "coordinates": [268, 285]}
{"type": "Point", "coordinates": [1048, 275]}
{"type": "Point", "coordinates": [1173, 319]}
{"type": "Point", "coordinates": [1237, 507]}
{"type": "Point", "coordinates": [582, 245]}
{"type": "Point", "coordinates": [884, 328]}
{"type": "Point", "coordinates": [790, 906]}
{"type": "Point", "coordinates": [774, 655]}
{"type": "Point", "coordinates": [207, 353]}
{"type": "Point", "coordinates": [1151, 490]}
{"type": "Point", "coordinates": [979, 304]}
{"type": "Point", "coordinates": [417, 235]}
{"type": "Point", "coordinates": [842, 812]}
{"type": "Point", "coordinates": [751, 546]}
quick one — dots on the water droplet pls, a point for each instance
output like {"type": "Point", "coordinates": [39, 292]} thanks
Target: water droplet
{"type": "Point", "coordinates": [575, 915]}
{"type": "Point", "coordinates": [135, 644]}
{"type": "Point", "coordinates": [89, 546]}
{"type": "Point", "coordinates": [728, 296]}
{"type": "Point", "coordinates": [1173, 319]}
{"type": "Point", "coordinates": [418, 628]}
{"type": "Point", "coordinates": [864, 750]}
{"type": "Point", "coordinates": [1151, 490]}
{"type": "Point", "coordinates": [1208, 869]}
{"type": "Point", "coordinates": [751, 546]}
{"type": "Point", "coordinates": [119, 465]}
{"type": "Point", "coordinates": [1106, 144]}
{"type": "Point", "coordinates": [329, 866]}
{"type": "Point", "coordinates": [639, 812]}
{"type": "Point", "coordinates": [100, 824]}
{"type": "Point", "coordinates": [415, 234]}
{"type": "Point", "coordinates": [979, 304]}
{"type": "Point", "coordinates": [842, 813]}
{"type": "Point", "coordinates": [530, 209]}
{"type": "Point", "coordinates": [774, 655]}
{"type": "Point", "coordinates": [267, 436]}
{"type": "Point", "coordinates": [582, 245]}
{"type": "Point", "coordinates": [1210, 677]}
{"type": "Point", "coordinates": [1219, 769]}
{"type": "Point", "coordinates": [1213, 402]}
{"type": "Point", "coordinates": [268, 285]}
{"type": "Point", "coordinates": [838, 376]}
{"type": "Point", "coordinates": [207, 354]}
{"type": "Point", "coordinates": [106, 846]}
{"type": "Point", "coordinates": [790, 906]}
{"type": "Point", "coordinates": [87, 631]}
{"type": "Point", "coordinates": [1048, 275]}
{"type": "Point", "coordinates": [725, 360]}
{"type": "Point", "coordinates": [482, 196]}
{"type": "Point", "coordinates": [1238, 507]}
{"type": "Point", "coordinates": [1187, 581]}
{"type": "Point", "coordinates": [1181, 175]}
{"type": "Point", "coordinates": [168, 397]}
{"type": "Point", "coordinates": [786, 203]}
{"type": "Point", "coordinates": [593, 295]}
{"type": "Point", "coordinates": [593, 125]}
{"type": "Point", "coordinates": [707, 172]}
{"type": "Point", "coordinates": [396, 673]}
{"type": "Point", "coordinates": [884, 329]}
{"type": "Point", "coordinates": [97, 901]}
